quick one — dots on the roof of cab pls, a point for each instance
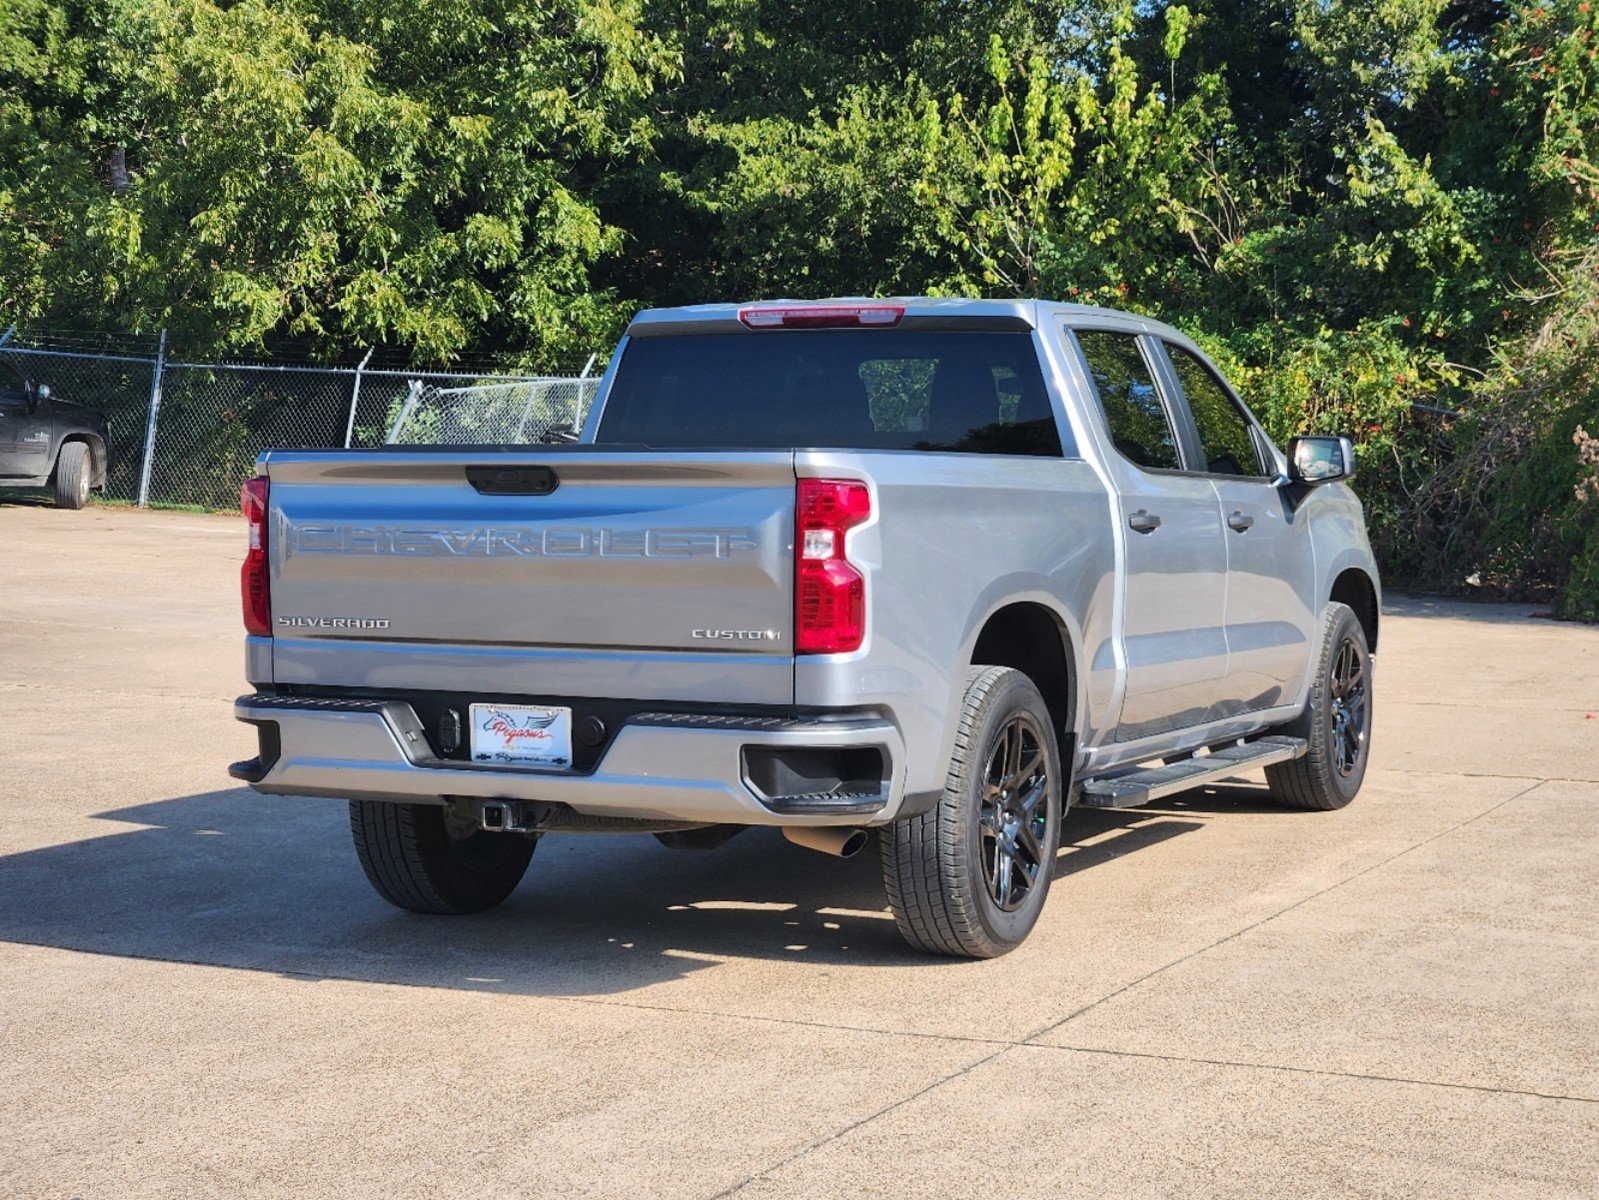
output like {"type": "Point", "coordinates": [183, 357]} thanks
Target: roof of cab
{"type": "Point", "coordinates": [708, 318]}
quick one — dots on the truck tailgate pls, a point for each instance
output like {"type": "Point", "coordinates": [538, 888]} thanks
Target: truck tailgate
{"type": "Point", "coordinates": [560, 571]}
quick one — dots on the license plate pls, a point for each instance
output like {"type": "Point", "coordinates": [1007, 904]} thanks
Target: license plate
{"type": "Point", "coordinates": [526, 735]}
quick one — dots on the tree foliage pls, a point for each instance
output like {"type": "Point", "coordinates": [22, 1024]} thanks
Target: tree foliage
{"type": "Point", "coordinates": [334, 173]}
{"type": "Point", "coordinates": [1358, 207]}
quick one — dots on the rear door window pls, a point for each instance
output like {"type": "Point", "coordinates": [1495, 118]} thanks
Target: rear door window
{"type": "Point", "coordinates": [1138, 422]}
{"type": "Point", "coordinates": [963, 392]}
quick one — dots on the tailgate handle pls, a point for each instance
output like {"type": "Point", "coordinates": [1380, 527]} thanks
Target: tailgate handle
{"type": "Point", "coordinates": [512, 481]}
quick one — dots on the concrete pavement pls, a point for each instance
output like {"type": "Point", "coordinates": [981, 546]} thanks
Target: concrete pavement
{"type": "Point", "coordinates": [200, 995]}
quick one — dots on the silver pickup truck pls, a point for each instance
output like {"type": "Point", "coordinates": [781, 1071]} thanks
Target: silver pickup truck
{"type": "Point", "coordinates": [921, 574]}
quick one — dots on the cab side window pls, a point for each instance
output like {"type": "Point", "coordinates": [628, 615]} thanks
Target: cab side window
{"type": "Point", "coordinates": [13, 388]}
{"type": "Point", "coordinates": [1223, 431]}
{"type": "Point", "coordinates": [1137, 420]}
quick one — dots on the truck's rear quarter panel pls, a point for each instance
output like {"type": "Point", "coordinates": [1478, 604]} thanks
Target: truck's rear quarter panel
{"type": "Point", "coordinates": [955, 537]}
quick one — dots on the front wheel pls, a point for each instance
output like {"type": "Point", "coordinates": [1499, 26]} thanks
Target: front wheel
{"type": "Point", "coordinates": [1336, 723]}
{"type": "Point", "coordinates": [423, 858]}
{"type": "Point", "coordinates": [970, 876]}
{"type": "Point", "coordinates": [73, 475]}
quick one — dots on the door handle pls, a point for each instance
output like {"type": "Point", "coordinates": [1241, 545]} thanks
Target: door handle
{"type": "Point", "coordinates": [1240, 522]}
{"type": "Point", "coordinates": [1144, 522]}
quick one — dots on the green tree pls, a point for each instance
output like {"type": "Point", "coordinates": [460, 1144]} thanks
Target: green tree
{"type": "Point", "coordinates": [277, 171]}
{"type": "Point", "coordinates": [1359, 206]}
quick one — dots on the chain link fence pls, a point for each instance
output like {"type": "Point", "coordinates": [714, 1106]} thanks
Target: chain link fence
{"type": "Point", "coordinates": [187, 433]}
{"type": "Point", "coordinates": [505, 413]}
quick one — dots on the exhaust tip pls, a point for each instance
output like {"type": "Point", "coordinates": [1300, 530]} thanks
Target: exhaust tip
{"type": "Point", "coordinates": [839, 841]}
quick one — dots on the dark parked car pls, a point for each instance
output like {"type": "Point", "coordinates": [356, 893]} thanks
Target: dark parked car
{"type": "Point", "coordinates": [49, 442]}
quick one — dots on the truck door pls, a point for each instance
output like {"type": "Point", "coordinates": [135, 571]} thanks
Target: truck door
{"type": "Point", "coordinates": [1271, 608]}
{"type": "Point", "coordinates": [1174, 583]}
{"type": "Point", "coordinates": [24, 438]}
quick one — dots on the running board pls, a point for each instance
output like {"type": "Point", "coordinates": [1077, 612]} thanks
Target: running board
{"type": "Point", "coordinates": [1141, 785]}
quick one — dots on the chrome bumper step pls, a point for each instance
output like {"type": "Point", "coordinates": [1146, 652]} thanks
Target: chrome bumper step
{"type": "Point", "coordinates": [1128, 789]}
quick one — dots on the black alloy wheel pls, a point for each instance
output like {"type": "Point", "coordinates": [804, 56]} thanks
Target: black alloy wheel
{"type": "Point", "coordinates": [1336, 722]}
{"type": "Point", "coordinates": [969, 876]}
{"type": "Point", "coordinates": [1014, 817]}
{"type": "Point", "coordinates": [1347, 712]}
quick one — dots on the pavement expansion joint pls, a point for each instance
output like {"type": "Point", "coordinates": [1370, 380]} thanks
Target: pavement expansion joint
{"type": "Point", "coordinates": [1238, 933]}
{"type": "Point", "coordinates": [832, 1136]}
{"type": "Point", "coordinates": [1001, 1043]}
{"type": "Point", "coordinates": [817, 1143]}
{"type": "Point", "coordinates": [1001, 1046]}
{"type": "Point", "coordinates": [1323, 1071]}
{"type": "Point", "coordinates": [1478, 705]}
{"type": "Point", "coordinates": [1488, 775]}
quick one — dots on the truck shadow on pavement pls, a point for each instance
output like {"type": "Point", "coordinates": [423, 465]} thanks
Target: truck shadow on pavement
{"type": "Point", "coordinates": [230, 879]}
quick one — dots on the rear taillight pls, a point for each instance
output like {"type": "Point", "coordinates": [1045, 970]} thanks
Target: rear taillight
{"type": "Point", "coordinates": [253, 586]}
{"type": "Point", "coordinates": [823, 316]}
{"type": "Point", "coordinates": [829, 592]}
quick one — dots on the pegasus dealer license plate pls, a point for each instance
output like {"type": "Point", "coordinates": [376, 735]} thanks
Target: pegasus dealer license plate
{"type": "Point", "coordinates": [523, 735]}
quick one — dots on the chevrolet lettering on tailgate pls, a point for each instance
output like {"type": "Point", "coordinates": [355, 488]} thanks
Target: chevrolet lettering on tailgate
{"type": "Point", "coordinates": [518, 541]}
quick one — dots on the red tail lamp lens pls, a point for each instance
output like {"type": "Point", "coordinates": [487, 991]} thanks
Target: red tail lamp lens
{"type": "Point", "coordinates": [829, 592]}
{"type": "Point", "coordinates": [254, 589]}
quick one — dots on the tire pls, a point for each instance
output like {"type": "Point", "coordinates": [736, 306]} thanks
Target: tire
{"type": "Point", "coordinates": [73, 475]}
{"type": "Point", "coordinates": [418, 858]}
{"type": "Point", "coordinates": [943, 869]}
{"type": "Point", "coordinates": [1336, 722]}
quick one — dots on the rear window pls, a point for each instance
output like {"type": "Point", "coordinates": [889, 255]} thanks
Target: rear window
{"type": "Point", "coordinates": [963, 392]}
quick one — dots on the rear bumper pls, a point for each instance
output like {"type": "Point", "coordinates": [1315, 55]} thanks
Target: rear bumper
{"type": "Point", "coordinates": [659, 766]}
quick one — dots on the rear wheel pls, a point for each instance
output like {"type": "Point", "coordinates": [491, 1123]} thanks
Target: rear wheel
{"type": "Point", "coordinates": [425, 859]}
{"type": "Point", "coordinates": [970, 876]}
{"type": "Point", "coordinates": [74, 475]}
{"type": "Point", "coordinates": [1336, 723]}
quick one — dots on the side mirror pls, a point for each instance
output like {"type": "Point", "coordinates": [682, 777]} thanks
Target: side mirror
{"type": "Point", "coordinates": [37, 394]}
{"type": "Point", "coordinates": [1317, 460]}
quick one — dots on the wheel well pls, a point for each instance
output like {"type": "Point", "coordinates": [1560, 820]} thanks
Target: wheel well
{"type": "Point", "coordinates": [1354, 588]}
{"type": "Point", "coordinates": [1031, 639]}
